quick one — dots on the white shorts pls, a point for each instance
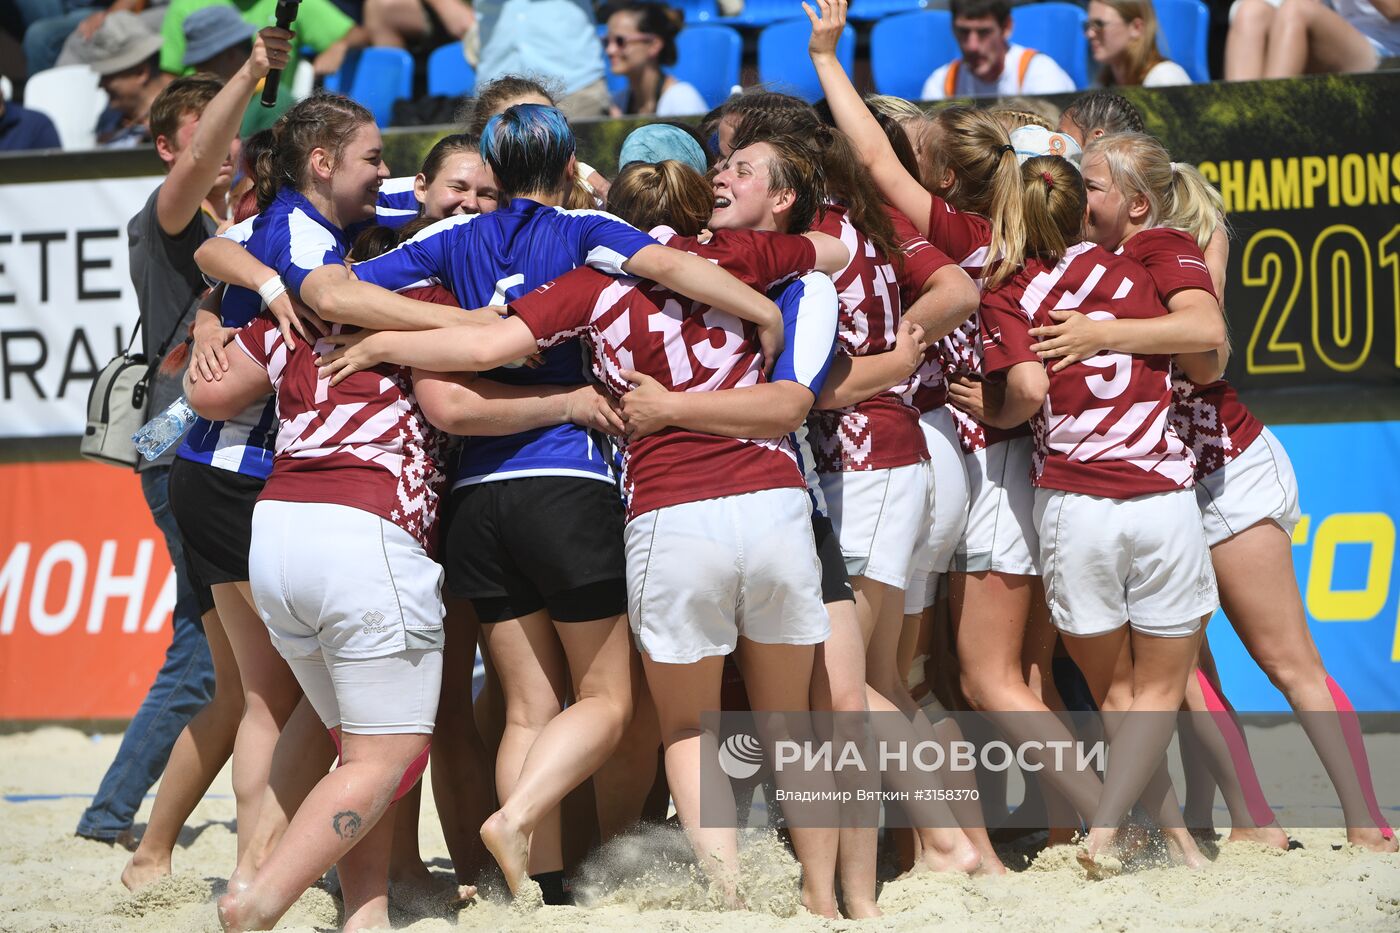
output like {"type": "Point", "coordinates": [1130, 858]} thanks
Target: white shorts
{"type": "Point", "coordinates": [1141, 561]}
{"type": "Point", "coordinates": [1256, 486]}
{"type": "Point", "coordinates": [1001, 532]}
{"type": "Point", "coordinates": [950, 505]}
{"type": "Point", "coordinates": [342, 581]}
{"type": "Point", "coordinates": [700, 574]}
{"type": "Point", "coordinates": [393, 695]}
{"type": "Point", "coordinates": [881, 519]}
{"type": "Point", "coordinates": [338, 588]}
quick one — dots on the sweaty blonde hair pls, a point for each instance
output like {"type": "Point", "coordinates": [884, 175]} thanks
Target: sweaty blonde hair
{"type": "Point", "coordinates": [1015, 119]}
{"type": "Point", "coordinates": [986, 179]}
{"type": "Point", "coordinates": [1177, 196]}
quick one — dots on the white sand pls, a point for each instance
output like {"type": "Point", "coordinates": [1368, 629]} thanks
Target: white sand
{"type": "Point", "coordinates": [51, 881]}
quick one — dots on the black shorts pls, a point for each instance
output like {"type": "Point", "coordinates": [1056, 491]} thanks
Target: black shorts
{"type": "Point", "coordinates": [517, 546]}
{"type": "Point", "coordinates": [214, 509]}
{"type": "Point", "coordinates": [836, 583]}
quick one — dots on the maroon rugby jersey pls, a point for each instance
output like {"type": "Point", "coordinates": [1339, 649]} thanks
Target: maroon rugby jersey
{"type": "Point", "coordinates": [927, 389]}
{"type": "Point", "coordinates": [364, 443]}
{"type": "Point", "coordinates": [687, 347]}
{"type": "Point", "coordinates": [1211, 419]}
{"type": "Point", "coordinates": [1104, 429]}
{"type": "Point", "coordinates": [881, 432]}
{"type": "Point", "coordinates": [967, 238]}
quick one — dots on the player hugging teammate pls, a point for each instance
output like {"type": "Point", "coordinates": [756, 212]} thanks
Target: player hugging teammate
{"type": "Point", "coordinates": [839, 399]}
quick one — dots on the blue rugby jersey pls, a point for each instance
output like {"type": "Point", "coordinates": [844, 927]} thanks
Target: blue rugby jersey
{"type": "Point", "coordinates": [810, 308]}
{"type": "Point", "coordinates": [397, 204]}
{"type": "Point", "coordinates": [293, 239]}
{"type": "Point", "coordinates": [492, 259]}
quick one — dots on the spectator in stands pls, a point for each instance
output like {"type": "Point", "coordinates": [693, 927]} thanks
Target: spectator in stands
{"type": "Point", "coordinates": [25, 129]}
{"type": "Point", "coordinates": [125, 53]}
{"type": "Point", "coordinates": [402, 23]}
{"type": "Point", "coordinates": [1123, 39]}
{"type": "Point", "coordinates": [217, 40]}
{"type": "Point", "coordinates": [641, 38]}
{"type": "Point", "coordinates": [991, 64]}
{"type": "Point", "coordinates": [49, 23]}
{"type": "Point", "coordinates": [1272, 39]}
{"type": "Point", "coordinates": [319, 26]}
{"type": "Point", "coordinates": [551, 39]}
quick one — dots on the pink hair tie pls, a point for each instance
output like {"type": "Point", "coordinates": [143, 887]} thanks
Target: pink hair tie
{"type": "Point", "coordinates": [1048, 179]}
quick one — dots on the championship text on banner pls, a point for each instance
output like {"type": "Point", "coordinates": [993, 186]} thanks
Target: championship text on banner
{"type": "Point", "coordinates": [66, 304]}
{"type": "Point", "coordinates": [86, 590]}
{"type": "Point", "coordinates": [1310, 173]}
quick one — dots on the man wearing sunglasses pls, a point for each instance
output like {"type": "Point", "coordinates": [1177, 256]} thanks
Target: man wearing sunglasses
{"type": "Point", "coordinates": [991, 65]}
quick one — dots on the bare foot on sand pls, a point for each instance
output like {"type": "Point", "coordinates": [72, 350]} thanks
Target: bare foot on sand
{"type": "Point", "coordinates": [1099, 866]}
{"type": "Point", "coordinates": [862, 910]}
{"type": "Point", "coordinates": [510, 847]}
{"type": "Point", "coordinates": [958, 855]}
{"type": "Point", "coordinates": [142, 870]}
{"type": "Point", "coordinates": [1372, 839]}
{"type": "Point", "coordinates": [1272, 836]}
{"type": "Point", "coordinates": [1182, 849]}
{"type": "Point", "coordinates": [820, 905]}
{"type": "Point", "coordinates": [419, 892]}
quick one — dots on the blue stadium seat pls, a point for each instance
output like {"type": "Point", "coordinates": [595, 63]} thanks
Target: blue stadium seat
{"type": "Point", "coordinates": [696, 11]}
{"type": "Point", "coordinates": [1057, 29]}
{"type": "Point", "coordinates": [1185, 25]}
{"type": "Point", "coordinates": [908, 47]}
{"type": "Point", "coordinates": [709, 56]}
{"type": "Point", "coordinates": [764, 12]}
{"type": "Point", "coordinates": [783, 62]}
{"type": "Point", "coordinates": [863, 11]}
{"type": "Point", "coordinates": [449, 72]}
{"type": "Point", "coordinates": [376, 77]}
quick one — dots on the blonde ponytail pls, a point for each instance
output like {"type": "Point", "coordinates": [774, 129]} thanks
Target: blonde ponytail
{"type": "Point", "coordinates": [1052, 195]}
{"type": "Point", "coordinates": [1192, 204]}
{"type": "Point", "coordinates": [986, 179]}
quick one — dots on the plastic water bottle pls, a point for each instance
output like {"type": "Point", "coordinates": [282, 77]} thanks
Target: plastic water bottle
{"type": "Point", "coordinates": [162, 432]}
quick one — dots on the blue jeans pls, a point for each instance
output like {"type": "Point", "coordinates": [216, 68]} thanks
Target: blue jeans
{"type": "Point", "coordinates": [181, 689]}
{"type": "Point", "coordinates": [48, 24]}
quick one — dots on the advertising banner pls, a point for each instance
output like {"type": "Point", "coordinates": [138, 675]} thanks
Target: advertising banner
{"type": "Point", "coordinates": [86, 590]}
{"type": "Point", "coordinates": [1344, 557]}
{"type": "Point", "coordinates": [66, 302]}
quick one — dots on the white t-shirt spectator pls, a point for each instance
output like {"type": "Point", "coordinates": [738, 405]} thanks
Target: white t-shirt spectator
{"type": "Point", "coordinates": [1384, 34]}
{"type": "Point", "coordinates": [1042, 75]}
{"type": "Point", "coordinates": [678, 100]}
{"type": "Point", "coordinates": [1165, 74]}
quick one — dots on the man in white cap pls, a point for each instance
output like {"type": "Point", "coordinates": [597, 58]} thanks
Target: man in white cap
{"type": "Point", "coordinates": [125, 53]}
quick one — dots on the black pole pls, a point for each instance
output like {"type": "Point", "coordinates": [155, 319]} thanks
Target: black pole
{"type": "Point", "coordinates": [286, 15]}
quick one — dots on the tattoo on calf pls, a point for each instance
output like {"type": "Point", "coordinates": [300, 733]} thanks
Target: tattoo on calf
{"type": "Point", "coordinates": [346, 824]}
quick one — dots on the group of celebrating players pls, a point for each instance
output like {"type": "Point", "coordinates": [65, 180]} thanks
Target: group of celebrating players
{"type": "Point", "coordinates": [873, 368]}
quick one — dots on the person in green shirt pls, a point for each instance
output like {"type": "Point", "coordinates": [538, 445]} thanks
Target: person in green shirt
{"type": "Point", "coordinates": [319, 25]}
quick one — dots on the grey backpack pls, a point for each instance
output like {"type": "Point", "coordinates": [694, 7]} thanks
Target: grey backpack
{"type": "Point", "coordinates": [116, 406]}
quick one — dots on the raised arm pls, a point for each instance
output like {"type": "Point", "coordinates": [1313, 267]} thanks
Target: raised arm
{"type": "Point", "coordinates": [901, 189]}
{"type": "Point", "coordinates": [197, 166]}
